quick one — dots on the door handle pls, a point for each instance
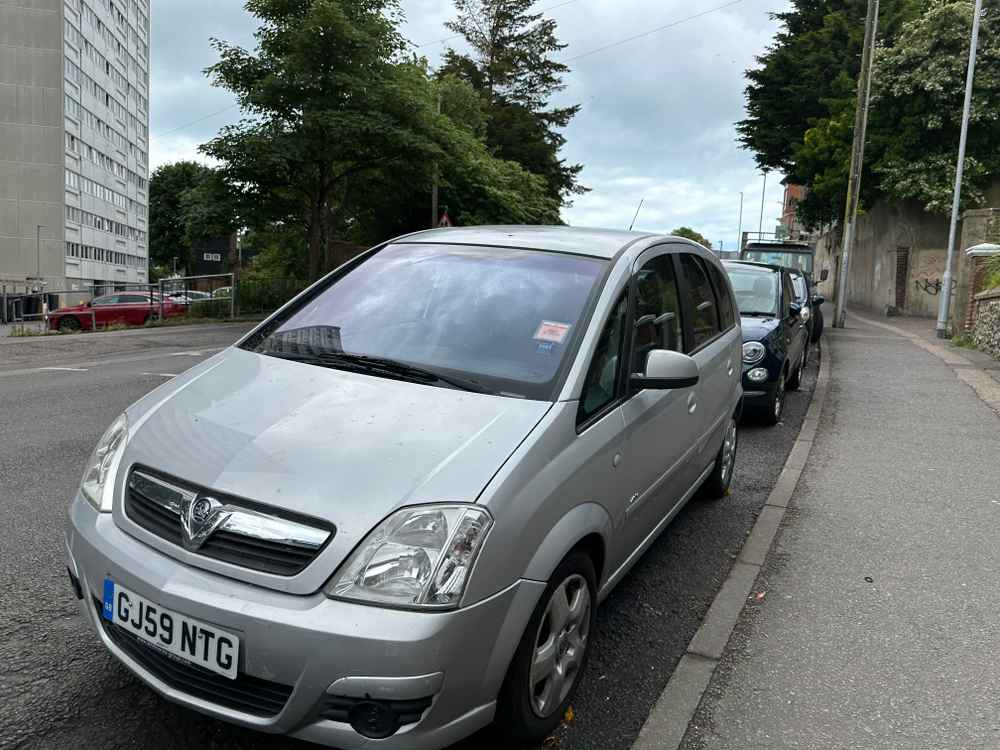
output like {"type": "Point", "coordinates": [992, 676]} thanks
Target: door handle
{"type": "Point", "coordinates": [692, 403]}
{"type": "Point", "coordinates": [729, 367]}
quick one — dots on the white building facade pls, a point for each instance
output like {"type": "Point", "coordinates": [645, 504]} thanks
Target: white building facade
{"type": "Point", "coordinates": [74, 134]}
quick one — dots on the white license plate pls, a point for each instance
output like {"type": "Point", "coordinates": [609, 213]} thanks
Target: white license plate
{"type": "Point", "coordinates": [180, 636]}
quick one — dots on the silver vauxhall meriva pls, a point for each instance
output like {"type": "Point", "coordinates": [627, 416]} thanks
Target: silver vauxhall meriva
{"type": "Point", "coordinates": [387, 515]}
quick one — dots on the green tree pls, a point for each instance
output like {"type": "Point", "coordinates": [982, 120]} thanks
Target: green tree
{"type": "Point", "coordinates": [917, 109]}
{"type": "Point", "coordinates": [167, 228]}
{"type": "Point", "coordinates": [800, 100]}
{"type": "Point", "coordinates": [187, 202]}
{"type": "Point", "coordinates": [328, 103]}
{"type": "Point", "coordinates": [511, 67]}
{"type": "Point", "coordinates": [689, 233]}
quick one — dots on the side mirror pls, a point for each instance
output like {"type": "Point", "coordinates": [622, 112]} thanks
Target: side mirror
{"type": "Point", "coordinates": [666, 369]}
{"type": "Point", "coordinates": [824, 274]}
{"type": "Point", "coordinates": [818, 300]}
{"type": "Point", "coordinates": [794, 310]}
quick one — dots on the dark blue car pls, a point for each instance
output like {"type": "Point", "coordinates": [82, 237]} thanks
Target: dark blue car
{"type": "Point", "coordinates": [775, 336]}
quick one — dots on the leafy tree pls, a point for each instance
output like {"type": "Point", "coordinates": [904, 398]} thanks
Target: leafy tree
{"type": "Point", "coordinates": [801, 99]}
{"type": "Point", "coordinates": [919, 93]}
{"type": "Point", "coordinates": [511, 67]}
{"type": "Point", "coordinates": [689, 233]}
{"type": "Point", "coordinates": [187, 202]}
{"type": "Point", "coordinates": [328, 103]}
{"type": "Point", "coordinates": [167, 228]}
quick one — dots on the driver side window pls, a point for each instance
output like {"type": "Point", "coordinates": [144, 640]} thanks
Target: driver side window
{"type": "Point", "coordinates": [657, 311]}
{"type": "Point", "coordinates": [601, 385]}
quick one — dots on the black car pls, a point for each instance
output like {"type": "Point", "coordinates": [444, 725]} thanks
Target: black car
{"type": "Point", "coordinates": [806, 296]}
{"type": "Point", "coordinates": [775, 336]}
{"type": "Point", "coordinates": [797, 257]}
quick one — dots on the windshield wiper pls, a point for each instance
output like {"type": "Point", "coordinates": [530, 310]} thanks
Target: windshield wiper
{"type": "Point", "coordinates": [381, 365]}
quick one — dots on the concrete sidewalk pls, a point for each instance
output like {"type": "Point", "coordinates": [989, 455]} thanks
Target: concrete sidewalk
{"type": "Point", "coordinates": [874, 622]}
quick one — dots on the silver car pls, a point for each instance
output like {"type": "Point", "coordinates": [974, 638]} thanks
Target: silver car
{"type": "Point", "coordinates": [387, 515]}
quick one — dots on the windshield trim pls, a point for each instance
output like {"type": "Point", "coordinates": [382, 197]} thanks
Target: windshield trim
{"type": "Point", "coordinates": [577, 334]}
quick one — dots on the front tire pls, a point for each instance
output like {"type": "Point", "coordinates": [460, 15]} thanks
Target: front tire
{"type": "Point", "coordinates": [817, 330]}
{"type": "Point", "coordinates": [796, 379]}
{"type": "Point", "coordinates": [69, 324]}
{"type": "Point", "coordinates": [776, 404]}
{"type": "Point", "coordinates": [551, 656]}
{"type": "Point", "coordinates": [718, 482]}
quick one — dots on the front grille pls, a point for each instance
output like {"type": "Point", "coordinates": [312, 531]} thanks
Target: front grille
{"type": "Point", "coordinates": [248, 694]}
{"type": "Point", "coordinates": [156, 504]}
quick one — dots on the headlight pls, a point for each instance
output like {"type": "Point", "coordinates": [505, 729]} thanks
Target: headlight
{"type": "Point", "coordinates": [94, 486]}
{"type": "Point", "coordinates": [805, 314]}
{"type": "Point", "coordinates": [417, 558]}
{"type": "Point", "coordinates": [753, 352]}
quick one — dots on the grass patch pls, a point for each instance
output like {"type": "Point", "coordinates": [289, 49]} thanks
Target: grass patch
{"type": "Point", "coordinates": [20, 332]}
{"type": "Point", "coordinates": [963, 342]}
{"type": "Point", "coordinates": [195, 321]}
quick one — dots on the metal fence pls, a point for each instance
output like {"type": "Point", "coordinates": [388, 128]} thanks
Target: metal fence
{"type": "Point", "coordinates": [213, 296]}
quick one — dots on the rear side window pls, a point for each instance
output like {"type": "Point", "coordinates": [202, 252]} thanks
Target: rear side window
{"type": "Point", "coordinates": [705, 313]}
{"type": "Point", "coordinates": [727, 312]}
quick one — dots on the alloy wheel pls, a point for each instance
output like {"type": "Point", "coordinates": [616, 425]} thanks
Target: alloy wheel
{"type": "Point", "coordinates": [560, 645]}
{"type": "Point", "coordinates": [779, 397]}
{"type": "Point", "coordinates": [728, 452]}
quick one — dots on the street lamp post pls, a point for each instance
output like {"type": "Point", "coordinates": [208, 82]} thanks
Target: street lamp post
{"type": "Point", "coordinates": [945, 302]}
{"type": "Point", "coordinates": [38, 251]}
{"type": "Point", "coordinates": [739, 233]}
{"type": "Point", "coordinates": [763, 192]}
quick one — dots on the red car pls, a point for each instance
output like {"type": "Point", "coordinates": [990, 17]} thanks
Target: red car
{"type": "Point", "coordinates": [131, 308]}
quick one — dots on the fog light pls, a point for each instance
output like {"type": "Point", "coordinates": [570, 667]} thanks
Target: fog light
{"type": "Point", "coordinates": [757, 375]}
{"type": "Point", "coordinates": [374, 720]}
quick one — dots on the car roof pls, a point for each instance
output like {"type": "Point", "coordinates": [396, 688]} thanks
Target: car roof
{"type": "Point", "coordinates": [755, 264]}
{"type": "Point", "coordinates": [598, 243]}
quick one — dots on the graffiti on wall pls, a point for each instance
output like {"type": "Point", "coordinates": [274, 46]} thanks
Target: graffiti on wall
{"type": "Point", "coordinates": [927, 271]}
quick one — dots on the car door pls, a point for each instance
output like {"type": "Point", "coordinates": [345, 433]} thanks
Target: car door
{"type": "Point", "coordinates": [715, 351]}
{"type": "Point", "coordinates": [105, 309]}
{"type": "Point", "coordinates": [600, 427]}
{"type": "Point", "coordinates": [794, 326]}
{"type": "Point", "coordinates": [661, 426]}
{"type": "Point", "coordinates": [131, 308]}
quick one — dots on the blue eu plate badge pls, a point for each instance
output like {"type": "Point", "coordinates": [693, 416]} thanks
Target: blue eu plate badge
{"type": "Point", "coordinates": [109, 600]}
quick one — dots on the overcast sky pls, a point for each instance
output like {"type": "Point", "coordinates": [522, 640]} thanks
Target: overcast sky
{"type": "Point", "coordinates": [658, 111]}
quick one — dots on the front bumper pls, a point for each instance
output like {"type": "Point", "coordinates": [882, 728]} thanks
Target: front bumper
{"type": "Point", "coordinates": [308, 643]}
{"type": "Point", "coordinates": [757, 394]}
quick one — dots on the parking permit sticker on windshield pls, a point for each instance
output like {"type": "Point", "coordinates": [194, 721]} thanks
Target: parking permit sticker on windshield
{"type": "Point", "coordinates": [554, 332]}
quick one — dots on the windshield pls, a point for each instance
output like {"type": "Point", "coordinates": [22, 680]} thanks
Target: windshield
{"type": "Point", "coordinates": [756, 290]}
{"type": "Point", "coordinates": [502, 319]}
{"type": "Point", "coordinates": [798, 261]}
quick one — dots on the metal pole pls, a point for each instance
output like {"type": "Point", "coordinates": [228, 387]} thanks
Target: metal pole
{"type": "Point", "coordinates": [760, 226]}
{"type": "Point", "coordinates": [739, 234]}
{"type": "Point", "coordinates": [945, 303]}
{"type": "Point", "coordinates": [857, 161]}
{"type": "Point", "coordinates": [38, 251]}
{"type": "Point", "coordinates": [434, 184]}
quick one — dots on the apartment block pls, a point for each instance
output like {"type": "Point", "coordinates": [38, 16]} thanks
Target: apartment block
{"type": "Point", "coordinates": [74, 134]}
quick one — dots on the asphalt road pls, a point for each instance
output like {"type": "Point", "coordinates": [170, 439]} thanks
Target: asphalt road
{"type": "Point", "coordinates": [60, 689]}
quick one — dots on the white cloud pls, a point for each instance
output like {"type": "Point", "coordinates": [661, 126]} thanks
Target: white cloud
{"type": "Point", "coordinates": [658, 112]}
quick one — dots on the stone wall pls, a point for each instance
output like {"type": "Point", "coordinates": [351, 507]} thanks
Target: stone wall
{"type": "Point", "coordinates": [898, 259]}
{"type": "Point", "coordinates": [986, 331]}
